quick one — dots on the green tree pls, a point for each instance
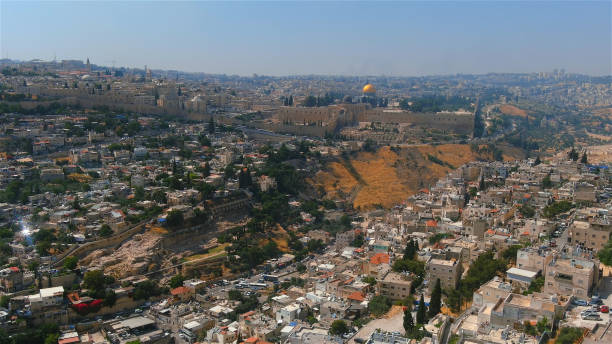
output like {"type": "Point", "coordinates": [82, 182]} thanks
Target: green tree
{"type": "Point", "coordinates": [358, 241]}
{"type": "Point", "coordinates": [70, 262]}
{"type": "Point", "coordinates": [310, 101]}
{"type": "Point", "coordinates": [557, 208]}
{"type": "Point", "coordinates": [369, 145]}
{"type": "Point", "coordinates": [4, 301]}
{"type": "Point", "coordinates": [338, 328]}
{"type": "Point", "coordinates": [573, 155]}
{"type": "Point", "coordinates": [527, 211]}
{"type": "Point", "coordinates": [176, 281]}
{"type": "Point", "coordinates": [529, 329]}
{"type": "Point", "coordinates": [211, 125]}
{"type": "Point", "coordinates": [52, 338]}
{"type": "Point", "coordinates": [75, 204]}
{"type": "Point", "coordinates": [411, 249]}
{"type": "Point", "coordinates": [454, 299]}
{"type": "Point", "coordinates": [482, 184]}
{"type": "Point", "coordinates": [584, 159]}
{"type": "Point", "coordinates": [204, 141]}
{"type": "Point", "coordinates": [605, 254]}
{"type": "Point", "coordinates": [569, 335]}
{"type": "Point", "coordinates": [435, 304]}
{"type": "Point", "coordinates": [270, 250]}
{"type": "Point", "coordinates": [145, 290]}
{"type": "Point", "coordinates": [110, 298]}
{"type": "Point", "coordinates": [235, 295]}
{"type": "Point", "coordinates": [379, 305]}
{"type": "Point", "coordinates": [33, 266]}
{"type": "Point", "coordinates": [94, 280]}
{"type": "Point", "coordinates": [159, 196]}
{"type": "Point", "coordinates": [175, 218]}
{"type": "Point", "coordinates": [139, 193]}
{"type": "Point", "coordinates": [105, 231]}
{"type": "Point", "coordinates": [537, 161]}
{"type": "Point", "coordinates": [244, 178]}
{"type": "Point", "coordinates": [370, 280]}
{"type": "Point", "coordinates": [421, 316]}
{"type": "Point", "coordinates": [542, 325]}
{"type": "Point", "coordinates": [408, 322]}
{"type": "Point", "coordinates": [509, 254]}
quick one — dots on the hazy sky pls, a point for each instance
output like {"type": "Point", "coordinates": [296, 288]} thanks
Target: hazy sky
{"type": "Point", "coordinates": [288, 38]}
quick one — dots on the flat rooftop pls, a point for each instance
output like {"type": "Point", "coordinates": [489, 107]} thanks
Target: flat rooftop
{"type": "Point", "coordinates": [133, 323]}
{"type": "Point", "coordinates": [522, 273]}
{"type": "Point", "coordinates": [443, 262]}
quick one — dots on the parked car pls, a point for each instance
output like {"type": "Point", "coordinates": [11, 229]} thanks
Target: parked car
{"type": "Point", "coordinates": [579, 302]}
{"type": "Point", "coordinates": [591, 317]}
{"type": "Point", "coordinates": [595, 300]}
{"type": "Point", "coordinates": [604, 309]}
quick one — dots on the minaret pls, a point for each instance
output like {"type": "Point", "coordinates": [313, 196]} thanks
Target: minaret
{"type": "Point", "coordinates": [148, 76]}
{"type": "Point", "coordinates": [88, 65]}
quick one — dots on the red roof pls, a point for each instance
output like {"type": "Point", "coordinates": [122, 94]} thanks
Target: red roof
{"type": "Point", "coordinates": [431, 223]}
{"type": "Point", "coordinates": [74, 339]}
{"type": "Point", "coordinates": [179, 290]}
{"type": "Point", "coordinates": [357, 296]}
{"type": "Point", "coordinates": [14, 269]}
{"type": "Point", "coordinates": [379, 258]}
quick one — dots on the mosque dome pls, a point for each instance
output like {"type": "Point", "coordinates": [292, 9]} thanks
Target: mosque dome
{"type": "Point", "coordinates": [369, 88]}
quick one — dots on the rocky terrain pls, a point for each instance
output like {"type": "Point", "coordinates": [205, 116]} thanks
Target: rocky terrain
{"type": "Point", "coordinates": [389, 175]}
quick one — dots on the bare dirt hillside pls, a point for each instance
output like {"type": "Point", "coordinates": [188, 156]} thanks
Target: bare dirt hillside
{"type": "Point", "coordinates": [389, 176]}
{"type": "Point", "coordinates": [512, 110]}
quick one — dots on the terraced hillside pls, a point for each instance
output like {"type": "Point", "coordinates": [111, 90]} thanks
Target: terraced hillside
{"type": "Point", "coordinates": [389, 176]}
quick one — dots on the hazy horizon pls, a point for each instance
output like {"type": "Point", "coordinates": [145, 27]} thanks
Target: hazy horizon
{"type": "Point", "coordinates": [409, 39]}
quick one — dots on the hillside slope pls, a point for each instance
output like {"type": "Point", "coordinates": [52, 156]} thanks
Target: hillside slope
{"type": "Point", "coordinates": [389, 176]}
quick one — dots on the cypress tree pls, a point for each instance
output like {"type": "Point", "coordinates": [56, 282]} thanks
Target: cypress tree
{"type": "Point", "coordinates": [408, 322]}
{"type": "Point", "coordinates": [435, 303]}
{"type": "Point", "coordinates": [537, 161]}
{"type": "Point", "coordinates": [421, 316]}
{"type": "Point", "coordinates": [211, 125]}
{"type": "Point", "coordinates": [411, 249]}
{"type": "Point", "coordinates": [573, 155]}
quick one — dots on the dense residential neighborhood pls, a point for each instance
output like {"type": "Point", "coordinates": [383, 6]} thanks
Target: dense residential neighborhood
{"type": "Point", "coordinates": [152, 206]}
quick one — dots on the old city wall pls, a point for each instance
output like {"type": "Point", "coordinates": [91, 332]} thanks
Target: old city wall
{"type": "Point", "coordinates": [300, 130]}
{"type": "Point", "coordinates": [114, 240]}
{"type": "Point", "coordinates": [194, 235]}
{"type": "Point", "coordinates": [459, 123]}
{"type": "Point", "coordinates": [114, 103]}
{"type": "Point", "coordinates": [325, 120]}
{"type": "Point", "coordinates": [202, 266]}
{"type": "Point", "coordinates": [307, 114]}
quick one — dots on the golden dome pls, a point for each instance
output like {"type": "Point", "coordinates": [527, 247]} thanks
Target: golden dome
{"type": "Point", "coordinates": [369, 88]}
